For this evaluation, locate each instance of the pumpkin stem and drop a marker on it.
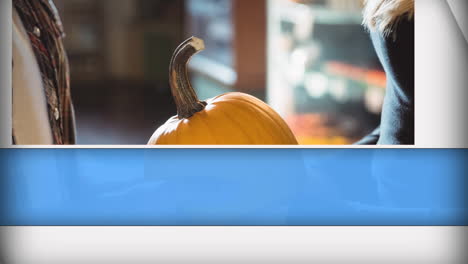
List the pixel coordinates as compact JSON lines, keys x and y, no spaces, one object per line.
{"x":185,"y":98}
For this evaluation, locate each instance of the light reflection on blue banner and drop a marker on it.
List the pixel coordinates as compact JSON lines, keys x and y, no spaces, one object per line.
{"x":233,"y":187}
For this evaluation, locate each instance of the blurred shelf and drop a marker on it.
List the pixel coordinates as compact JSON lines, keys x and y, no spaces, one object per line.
{"x":372,"y":78}
{"x":234,"y":33}
{"x":324,"y":76}
{"x":291,"y":11}
{"x":327,"y":16}
{"x":214,"y":70}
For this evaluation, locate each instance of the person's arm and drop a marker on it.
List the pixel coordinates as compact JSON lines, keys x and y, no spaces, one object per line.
{"x":396,"y":53}
{"x":391,"y":26}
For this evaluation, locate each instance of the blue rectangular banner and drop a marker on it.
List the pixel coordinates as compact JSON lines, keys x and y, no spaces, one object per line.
{"x":233,"y":187}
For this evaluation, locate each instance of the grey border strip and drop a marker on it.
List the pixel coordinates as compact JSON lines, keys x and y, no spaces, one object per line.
{"x":5,"y":72}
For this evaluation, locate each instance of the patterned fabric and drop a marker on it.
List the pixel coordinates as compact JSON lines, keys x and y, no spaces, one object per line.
{"x":44,"y":28}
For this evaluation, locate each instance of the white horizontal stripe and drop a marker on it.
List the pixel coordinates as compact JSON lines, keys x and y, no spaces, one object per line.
{"x":70,"y":245}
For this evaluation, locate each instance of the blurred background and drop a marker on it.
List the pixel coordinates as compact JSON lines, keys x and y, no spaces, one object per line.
{"x":312,"y":61}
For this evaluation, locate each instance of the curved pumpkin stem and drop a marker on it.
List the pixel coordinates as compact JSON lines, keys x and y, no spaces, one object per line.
{"x":185,"y":98}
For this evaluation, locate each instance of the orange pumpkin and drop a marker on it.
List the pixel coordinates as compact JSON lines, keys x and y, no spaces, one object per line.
{"x":228,"y":119}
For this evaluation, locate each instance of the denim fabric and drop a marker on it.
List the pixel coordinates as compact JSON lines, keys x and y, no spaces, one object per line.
{"x":396,"y":53}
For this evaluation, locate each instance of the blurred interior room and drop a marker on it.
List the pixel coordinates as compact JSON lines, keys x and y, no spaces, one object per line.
{"x":312,"y":61}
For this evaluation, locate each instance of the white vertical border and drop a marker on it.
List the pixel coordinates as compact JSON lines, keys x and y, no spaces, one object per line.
{"x":441,"y":65}
{"x":5,"y":72}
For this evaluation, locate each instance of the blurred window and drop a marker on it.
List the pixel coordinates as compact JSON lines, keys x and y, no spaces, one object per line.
{"x":324,"y":75}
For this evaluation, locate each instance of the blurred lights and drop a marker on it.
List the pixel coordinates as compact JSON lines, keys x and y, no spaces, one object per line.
{"x":371,"y":77}
{"x":316,"y":84}
{"x":373,"y":99}
{"x":338,"y":90}
{"x":299,"y":61}
{"x":315,"y":128}
{"x":304,"y":25}
{"x":297,"y":66}
{"x":334,"y":98}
